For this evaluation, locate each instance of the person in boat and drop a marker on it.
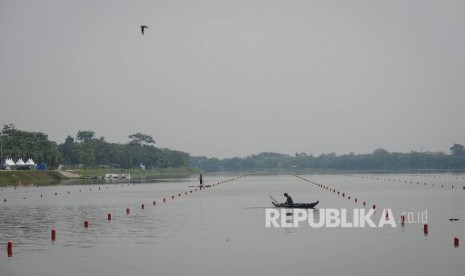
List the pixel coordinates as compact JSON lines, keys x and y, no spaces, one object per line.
{"x":289,"y":202}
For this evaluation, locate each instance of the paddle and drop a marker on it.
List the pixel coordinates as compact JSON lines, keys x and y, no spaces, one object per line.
{"x":275,"y":201}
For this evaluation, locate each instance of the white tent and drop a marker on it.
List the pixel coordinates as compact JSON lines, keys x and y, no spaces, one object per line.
{"x":30,"y":162}
{"x":20,"y":162}
{"x":9,"y":162}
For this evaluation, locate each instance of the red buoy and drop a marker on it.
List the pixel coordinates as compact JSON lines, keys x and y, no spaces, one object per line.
{"x":109,"y":216}
{"x":456,"y":242}
{"x":86,"y":224}
{"x":425,"y":229}
{"x":54,"y":235}
{"x":10,"y":249}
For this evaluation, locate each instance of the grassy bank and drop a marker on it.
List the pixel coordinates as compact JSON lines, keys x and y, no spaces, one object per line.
{"x":36,"y":177}
{"x":156,"y":173}
{"x":28,"y":177}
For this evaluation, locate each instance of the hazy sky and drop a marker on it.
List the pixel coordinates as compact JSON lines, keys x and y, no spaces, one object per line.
{"x":233,"y":78}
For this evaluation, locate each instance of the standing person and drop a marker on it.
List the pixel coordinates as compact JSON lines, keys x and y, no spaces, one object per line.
{"x":201,"y":180}
{"x":289,"y":201}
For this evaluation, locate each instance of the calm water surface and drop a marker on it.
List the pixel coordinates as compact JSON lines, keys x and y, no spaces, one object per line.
{"x":221,"y":230}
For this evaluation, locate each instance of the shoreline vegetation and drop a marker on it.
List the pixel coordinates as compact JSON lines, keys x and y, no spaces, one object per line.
{"x":87,"y":157}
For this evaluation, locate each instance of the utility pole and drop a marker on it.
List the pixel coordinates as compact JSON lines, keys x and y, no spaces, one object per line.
{"x":1,"y":147}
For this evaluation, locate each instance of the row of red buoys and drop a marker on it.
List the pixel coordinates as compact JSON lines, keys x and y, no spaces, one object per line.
{"x":394,"y":180}
{"x":332,"y":190}
{"x":425,"y":226}
{"x":109,"y":215}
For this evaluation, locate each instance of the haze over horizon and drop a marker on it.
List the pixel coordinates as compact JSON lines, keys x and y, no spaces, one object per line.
{"x":235,"y":78}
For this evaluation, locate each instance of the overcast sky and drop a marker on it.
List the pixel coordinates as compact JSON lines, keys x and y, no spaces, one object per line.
{"x":234,"y":78}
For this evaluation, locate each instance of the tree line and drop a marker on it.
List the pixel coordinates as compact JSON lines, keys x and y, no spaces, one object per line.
{"x":88,"y":151}
{"x":379,"y":159}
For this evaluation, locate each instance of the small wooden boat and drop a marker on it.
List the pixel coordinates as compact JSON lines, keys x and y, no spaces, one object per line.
{"x":297,"y":205}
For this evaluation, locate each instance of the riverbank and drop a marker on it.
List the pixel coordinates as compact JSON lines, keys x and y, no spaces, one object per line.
{"x":39,"y":177}
{"x":29,"y":177}
{"x":137,"y":174}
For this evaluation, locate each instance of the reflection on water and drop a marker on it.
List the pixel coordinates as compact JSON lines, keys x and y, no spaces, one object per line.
{"x":222,"y":229}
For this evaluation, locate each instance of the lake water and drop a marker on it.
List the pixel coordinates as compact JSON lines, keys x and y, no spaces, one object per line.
{"x":221,"y":230}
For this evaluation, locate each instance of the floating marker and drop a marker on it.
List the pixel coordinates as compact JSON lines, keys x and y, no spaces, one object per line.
{"x":10,"y":249}
{"x":86,"y":224}
{"x":456,"y":242}
{"x":54,"y":235}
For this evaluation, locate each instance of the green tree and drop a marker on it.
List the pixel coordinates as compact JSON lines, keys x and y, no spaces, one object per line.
{"x":25,"y":144}
{"x":85,"y":135}
{"x":457,"y":150}
{"x":142,"y":139}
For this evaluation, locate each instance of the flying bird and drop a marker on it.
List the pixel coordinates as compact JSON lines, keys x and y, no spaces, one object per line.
{"x":142,"y":28}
